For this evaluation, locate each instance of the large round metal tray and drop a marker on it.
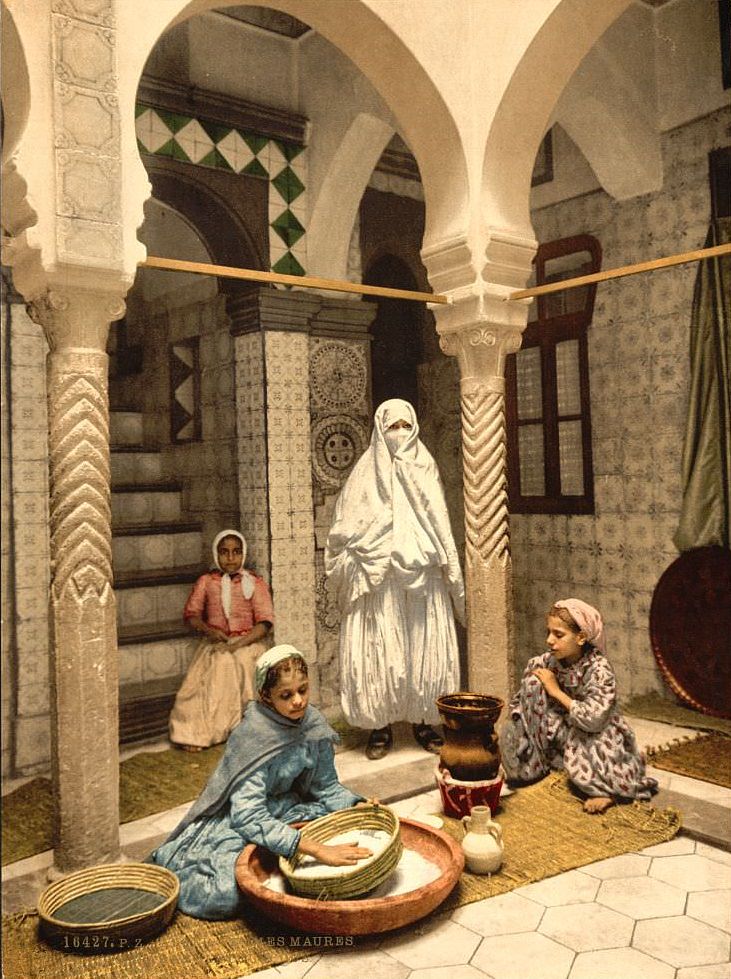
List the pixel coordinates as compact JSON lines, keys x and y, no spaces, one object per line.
{"x":360,"y":916}
{"x":690,"y":628}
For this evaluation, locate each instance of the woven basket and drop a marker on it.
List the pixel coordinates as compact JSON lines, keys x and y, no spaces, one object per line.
{"x":117,"y":932}
{"x":363,"y":876}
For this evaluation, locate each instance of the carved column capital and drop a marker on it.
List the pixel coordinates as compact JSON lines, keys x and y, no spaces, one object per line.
{"x":481,"y":350}
{"x":76,"y":318}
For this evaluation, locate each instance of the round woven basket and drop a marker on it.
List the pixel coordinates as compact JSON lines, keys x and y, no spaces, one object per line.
{"x":361,"y":877}
{"x":66,"y":907}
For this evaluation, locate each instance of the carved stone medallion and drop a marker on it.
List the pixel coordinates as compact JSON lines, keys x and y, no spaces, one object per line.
{"x":338,"y":441}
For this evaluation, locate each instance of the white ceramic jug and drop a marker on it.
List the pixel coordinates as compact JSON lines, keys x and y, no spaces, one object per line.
{"x":483,"y":841}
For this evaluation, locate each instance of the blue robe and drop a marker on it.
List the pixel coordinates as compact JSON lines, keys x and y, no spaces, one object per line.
{"x":255,"y":805}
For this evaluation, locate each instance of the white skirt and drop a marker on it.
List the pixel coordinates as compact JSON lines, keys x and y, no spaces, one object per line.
{"x":398,"y":654}
{"x":212,"y":697}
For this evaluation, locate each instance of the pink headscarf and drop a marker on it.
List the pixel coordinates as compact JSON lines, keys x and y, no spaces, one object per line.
{"x":587,"y":619}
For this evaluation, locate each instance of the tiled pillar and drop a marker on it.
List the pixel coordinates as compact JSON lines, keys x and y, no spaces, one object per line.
{"x":31,"y":556}
{"x":84,"y":718}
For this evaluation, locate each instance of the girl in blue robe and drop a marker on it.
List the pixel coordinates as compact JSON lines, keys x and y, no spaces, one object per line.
{"x":278,"y":768}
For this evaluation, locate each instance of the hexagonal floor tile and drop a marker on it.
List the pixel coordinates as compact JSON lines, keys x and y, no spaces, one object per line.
{"x":671,"y":848}
{"x":681,"y":941}
{"x":609,"y":964}
{"x":508,"y":956}
{"x":572,"y":887}
{"x":435,"y":943}
{"x":691,"y":873}
{"x":627,"y":865}
{"x":448,"y":972}
{"x":587,"y":927}
{"x":501,"y":915}
{"x":720,"y":971}
{"x":357,"y":963}
{"x":713,"y":907}
{"x":641,"y":897}
{"x":713,"y":853}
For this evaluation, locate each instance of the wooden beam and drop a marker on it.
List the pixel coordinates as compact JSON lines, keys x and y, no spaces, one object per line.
{"x":278,"y":278}
{"x":657,"y":263}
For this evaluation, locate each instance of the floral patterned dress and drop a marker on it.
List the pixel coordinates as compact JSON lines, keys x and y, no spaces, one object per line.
{"x":592,"y":742}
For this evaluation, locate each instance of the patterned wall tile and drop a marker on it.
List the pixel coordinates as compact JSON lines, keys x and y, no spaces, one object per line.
{"x":202,"y":142}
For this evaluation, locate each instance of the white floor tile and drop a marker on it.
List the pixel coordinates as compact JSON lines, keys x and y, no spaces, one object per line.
{"x":720,"y":971}
{"x":681,"y":941}
{"x":356,"y":963}
{"x":626,"y":865}
{"x":692,"y":872}
{"x":642,"y":897}
{"x":501,"y":915}
{"x":713,"y":907}
{"x":587,"y":927}
{"x":572,"y":887}
{"x":436,"y":943}
{"x":448,"y":972}
{"x":618,"y":962}
{"x":524,"y":956}
{"x":713,"y":853}
{"x":671,"y":848}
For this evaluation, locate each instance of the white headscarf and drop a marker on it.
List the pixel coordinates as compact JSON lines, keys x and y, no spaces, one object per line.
{"x":391,"y":515}
{"x":587,"y":619}
{"x":270,"y":658}
{"x":247,"y":578}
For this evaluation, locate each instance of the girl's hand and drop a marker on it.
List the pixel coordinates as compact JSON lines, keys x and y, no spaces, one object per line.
{"x":216,"y":635}
{"x":548,"y":679}
{"x":239,"y":642}
{"x":344,"y":854}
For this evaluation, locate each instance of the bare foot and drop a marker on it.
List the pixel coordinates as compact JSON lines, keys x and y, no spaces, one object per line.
{"x":191,"y":747}
{"x":597,"y":804}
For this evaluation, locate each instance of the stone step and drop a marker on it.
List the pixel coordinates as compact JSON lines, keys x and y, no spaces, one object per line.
{"x":148,"y":504}
{"x":153,"y":632}
{"x":144,"y":709}
{"x":145,"y":598}
{"x":125,"y":428}
{"x":149,"y":548}
{"x":161,"y":659}
{"x":132,"y":465}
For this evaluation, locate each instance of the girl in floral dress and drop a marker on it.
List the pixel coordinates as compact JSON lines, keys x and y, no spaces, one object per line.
{"x":565,"y":715}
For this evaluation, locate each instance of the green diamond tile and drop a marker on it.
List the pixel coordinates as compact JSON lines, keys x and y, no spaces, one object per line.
{"x":166,"y":149}
{"x":255,"y":169}
{"x":289,"y":150}
{"x":288,"y":184}
{"x":139,"y":109}
{"x":254,"y":142}
{"x":178,"y":153}
{"x":288,"y":228}
{"x":288,"y":265}
{"x":216,"y":130}
{"x":215,"y":159}
{"x":173,"y":120}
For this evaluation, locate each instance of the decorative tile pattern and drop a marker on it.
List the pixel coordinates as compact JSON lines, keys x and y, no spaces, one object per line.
{"x":202,"y":142}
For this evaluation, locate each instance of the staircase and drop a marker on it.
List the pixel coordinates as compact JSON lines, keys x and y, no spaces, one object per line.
{"x":156,"y":557}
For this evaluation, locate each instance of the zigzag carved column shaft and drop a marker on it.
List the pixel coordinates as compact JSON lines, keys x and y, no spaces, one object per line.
{"x":85,"y":709}
{"x":487,"y":545}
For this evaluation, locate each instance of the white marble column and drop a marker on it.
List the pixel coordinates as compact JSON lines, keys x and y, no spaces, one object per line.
{"x":84,"y":672}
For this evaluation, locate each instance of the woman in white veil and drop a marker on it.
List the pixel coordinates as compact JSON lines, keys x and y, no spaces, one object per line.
{"x":392,"y":561}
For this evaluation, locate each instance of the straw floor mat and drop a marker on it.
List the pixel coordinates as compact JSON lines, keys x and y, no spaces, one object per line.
{"x":707,"y":757}
{"x":545,"y":831}
{"x":149,"y":782}
{"x":653,"y":708}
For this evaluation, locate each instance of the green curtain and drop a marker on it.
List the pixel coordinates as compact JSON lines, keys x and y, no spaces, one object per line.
{"x":705,"y":516}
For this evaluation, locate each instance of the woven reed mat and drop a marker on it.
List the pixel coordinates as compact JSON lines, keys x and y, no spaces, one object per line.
{"x":149,"y":782}
{"x":545,"y":830}
{"x":653,"y":708}
{"x":707,"y":757}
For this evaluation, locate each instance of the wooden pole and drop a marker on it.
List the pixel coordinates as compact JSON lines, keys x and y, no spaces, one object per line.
{"x":278,"y":278}
{"x":657,"y":263}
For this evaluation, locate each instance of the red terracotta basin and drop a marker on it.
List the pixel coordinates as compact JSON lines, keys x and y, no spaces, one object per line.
{"x":361,"y":916}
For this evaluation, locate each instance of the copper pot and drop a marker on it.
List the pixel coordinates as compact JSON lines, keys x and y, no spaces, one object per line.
{"x":471,"y":751}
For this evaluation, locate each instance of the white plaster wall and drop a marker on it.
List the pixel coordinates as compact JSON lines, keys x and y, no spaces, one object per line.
{"x":168,"y":235}
{"x":688,"y":61}
{"x":572,"y":174}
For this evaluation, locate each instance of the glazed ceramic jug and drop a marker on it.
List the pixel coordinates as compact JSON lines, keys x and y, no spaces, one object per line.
{"x":483,"y":841}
